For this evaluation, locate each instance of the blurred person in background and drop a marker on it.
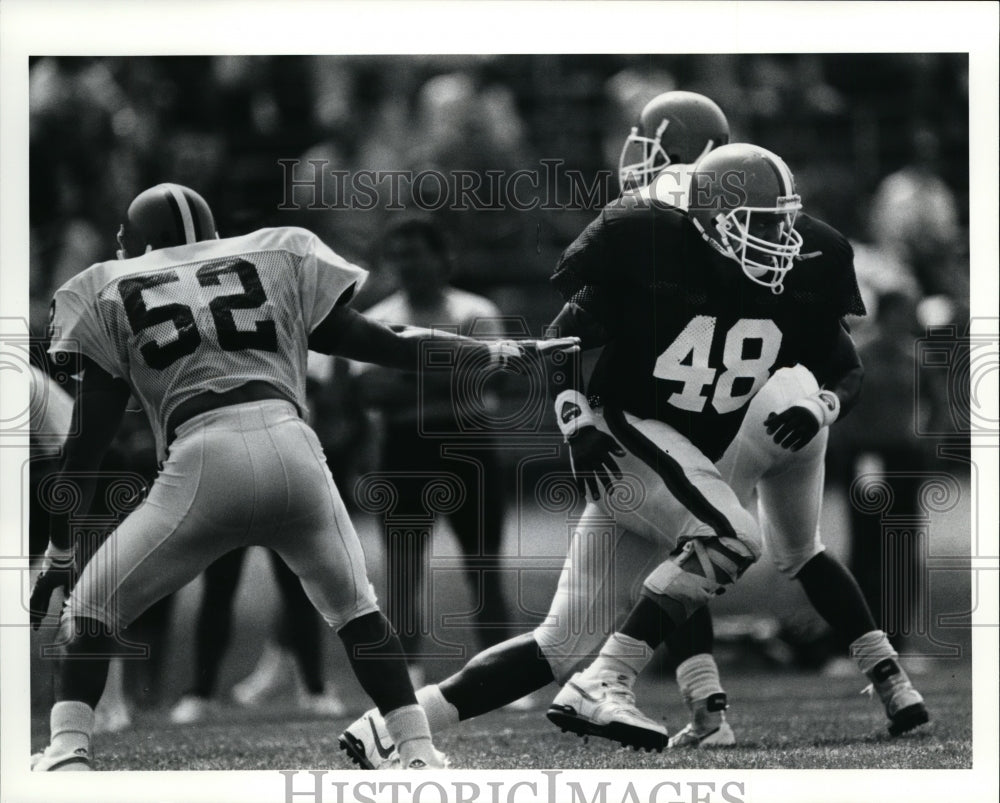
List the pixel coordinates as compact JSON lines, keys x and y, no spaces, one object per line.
{"x":880,"y":441}
{"x":415,"y":252}
{"x":290,"y":661}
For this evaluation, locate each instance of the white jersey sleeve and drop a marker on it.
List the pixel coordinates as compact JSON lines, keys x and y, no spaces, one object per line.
{"x":75,"y":326}
{"x":326,"y":280}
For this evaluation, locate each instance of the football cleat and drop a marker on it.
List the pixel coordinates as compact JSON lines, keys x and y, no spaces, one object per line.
{"x":605,"y":706}
{"x":688,"y":736}
{"x":52,"y":761}
{"x":903,"y":704}
{"x":708,"y":726}
{"x":368,"y":744}
{"x":438,"y":761}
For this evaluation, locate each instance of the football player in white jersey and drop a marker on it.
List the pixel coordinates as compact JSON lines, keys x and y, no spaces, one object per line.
{"x":211,"y":336}
{"x":675,"y":127}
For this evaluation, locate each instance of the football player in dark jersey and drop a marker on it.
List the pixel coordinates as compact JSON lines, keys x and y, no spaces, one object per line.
{"x":674,"y":128}
{"x":689,"y":340}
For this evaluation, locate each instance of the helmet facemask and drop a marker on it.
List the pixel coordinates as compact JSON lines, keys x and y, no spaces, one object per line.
{"x":635,"y":174}
{"x":650,"y":159}
{"x":763,"y":240}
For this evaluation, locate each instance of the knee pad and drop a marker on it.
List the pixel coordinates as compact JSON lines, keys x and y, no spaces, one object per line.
{"x":699,"y":570}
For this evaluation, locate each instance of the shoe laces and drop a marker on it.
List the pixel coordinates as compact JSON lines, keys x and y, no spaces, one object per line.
{"x":616,"y":686}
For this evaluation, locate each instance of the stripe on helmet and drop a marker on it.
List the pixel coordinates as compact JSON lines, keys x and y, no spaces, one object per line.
{"x":182,"y":209}
{"x":784,"y":174}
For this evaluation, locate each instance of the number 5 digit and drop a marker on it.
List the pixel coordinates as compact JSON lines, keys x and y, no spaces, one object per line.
{"x":140,"y":317}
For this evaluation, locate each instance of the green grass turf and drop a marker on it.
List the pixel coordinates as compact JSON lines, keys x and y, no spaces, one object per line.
{"x":782,"y":720}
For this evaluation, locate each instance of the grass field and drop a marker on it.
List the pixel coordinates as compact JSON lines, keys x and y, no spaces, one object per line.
{"x":782,"y":720}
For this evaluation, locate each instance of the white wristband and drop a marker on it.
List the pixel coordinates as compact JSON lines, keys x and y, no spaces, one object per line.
{"x":823,"y":404}
{"x":572,"y":412}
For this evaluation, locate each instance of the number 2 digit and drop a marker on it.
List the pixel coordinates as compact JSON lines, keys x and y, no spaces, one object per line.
{"x":263,"y":336}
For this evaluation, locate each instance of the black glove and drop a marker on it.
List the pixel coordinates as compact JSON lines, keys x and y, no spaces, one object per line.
{"x":793,"y":428}
{"x":59,"y":571}
{"x":590,"y":452}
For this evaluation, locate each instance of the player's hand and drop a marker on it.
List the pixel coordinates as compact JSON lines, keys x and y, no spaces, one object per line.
{"x":513,"y":355}
{"x":592,"y":457}
{"x":793,"y":428}
{"x":58,"y":572}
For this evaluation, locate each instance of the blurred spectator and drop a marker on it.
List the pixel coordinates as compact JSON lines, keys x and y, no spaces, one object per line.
{"x":295,"y":654}
{"x":881,"y":442}
{"x":415,"y":253}
{"x":915,"y":220}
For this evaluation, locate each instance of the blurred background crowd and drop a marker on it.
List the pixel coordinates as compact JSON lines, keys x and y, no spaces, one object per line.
{"x":878,"y":144}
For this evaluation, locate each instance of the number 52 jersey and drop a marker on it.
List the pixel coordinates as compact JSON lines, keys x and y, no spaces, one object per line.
{"x":690,"y":339}
{"x":205,"y":317}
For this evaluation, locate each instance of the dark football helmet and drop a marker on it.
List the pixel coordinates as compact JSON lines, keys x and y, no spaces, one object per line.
{"x":164,"y":216}
{"x":743,"y":201}
{"x":674,"y":128}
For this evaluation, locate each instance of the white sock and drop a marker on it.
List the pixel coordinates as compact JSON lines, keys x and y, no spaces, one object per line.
{"x":622,"y":654}
{"x":410,"y":733}
{"x":871,"y":649}
{"x":698,"y":677}
{"x":441,"y":714}
{"x":71,"y":723}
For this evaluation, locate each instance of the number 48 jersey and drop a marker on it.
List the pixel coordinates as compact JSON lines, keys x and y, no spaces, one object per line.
{"x":690,"y":339}
{"x":209,"y":316}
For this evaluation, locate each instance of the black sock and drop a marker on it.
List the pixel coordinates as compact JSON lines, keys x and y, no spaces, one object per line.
{"x":82,"y":670}
{"x":376,"y":658}
{"x":693,"y":637}
{"x":836,"y":596}
{"x":495,"y":677}
{"x":648,"y":622}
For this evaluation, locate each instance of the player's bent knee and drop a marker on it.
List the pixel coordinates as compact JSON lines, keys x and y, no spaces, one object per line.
{"x":791,"y":565}
{"x":90,"y":617}
{"x":699,"y":570}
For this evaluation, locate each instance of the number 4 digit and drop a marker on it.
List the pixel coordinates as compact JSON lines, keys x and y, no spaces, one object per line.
{"x":686,"y":360}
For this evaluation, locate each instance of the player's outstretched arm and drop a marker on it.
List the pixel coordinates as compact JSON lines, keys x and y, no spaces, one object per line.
{"x":98,"y":409}
{"x":347,"y":333}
